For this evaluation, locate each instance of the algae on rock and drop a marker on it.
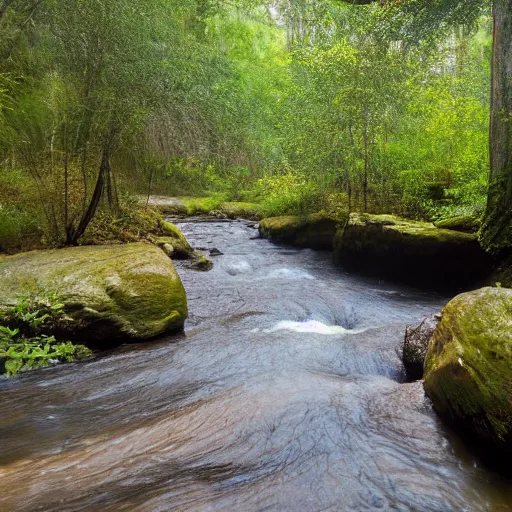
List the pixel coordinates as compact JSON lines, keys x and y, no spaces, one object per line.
{"x":110,"y":293}
{"x":468,"y":368}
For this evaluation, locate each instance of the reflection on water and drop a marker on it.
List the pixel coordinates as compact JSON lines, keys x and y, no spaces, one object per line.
{"x":285,"y":393}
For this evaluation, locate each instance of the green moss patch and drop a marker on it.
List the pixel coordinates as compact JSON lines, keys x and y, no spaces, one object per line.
{"x":464,"y":223}
{"x":212,"y":206}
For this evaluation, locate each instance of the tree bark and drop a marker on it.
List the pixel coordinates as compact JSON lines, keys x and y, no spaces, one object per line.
{"x":496,"y":234}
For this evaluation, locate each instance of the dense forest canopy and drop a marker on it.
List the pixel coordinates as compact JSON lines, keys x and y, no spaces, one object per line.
{"x":298,"y":105}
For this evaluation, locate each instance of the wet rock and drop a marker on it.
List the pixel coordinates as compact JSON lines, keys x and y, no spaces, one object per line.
{"x":215,"y":252}
{"x":114,"y":292}
{"x":416,"y":343}
{"x":468,"y":368}
{"x":176,"y":246}
{"x":201,"y":263}
{"x":410,"y":251}
{"x":314,"y":231}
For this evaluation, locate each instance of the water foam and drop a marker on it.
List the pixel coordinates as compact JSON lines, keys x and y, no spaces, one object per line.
{"x":310,"y":326}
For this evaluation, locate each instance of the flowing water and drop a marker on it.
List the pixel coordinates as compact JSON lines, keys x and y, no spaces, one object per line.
{"x":286,"y":393}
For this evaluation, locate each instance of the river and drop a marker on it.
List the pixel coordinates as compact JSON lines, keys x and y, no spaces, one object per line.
{"x":285,"y":393}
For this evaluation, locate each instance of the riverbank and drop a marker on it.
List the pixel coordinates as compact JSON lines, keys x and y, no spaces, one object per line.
{"x":202,"y":206}
{"x":389,"y":247}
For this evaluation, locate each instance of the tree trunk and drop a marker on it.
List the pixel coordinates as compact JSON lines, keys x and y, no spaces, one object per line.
{"x":365,"y":175}
{"x":104,"y":175}
{"x":496,"y":234}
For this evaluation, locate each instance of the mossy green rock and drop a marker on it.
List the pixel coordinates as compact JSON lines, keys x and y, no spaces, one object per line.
{"x":410,"y":251}
{"x":468,"y":368}
{"x":115,"y":292}
{"x":315,"y":231}
{"x":173,"y":236}
{"x":464,"y":223}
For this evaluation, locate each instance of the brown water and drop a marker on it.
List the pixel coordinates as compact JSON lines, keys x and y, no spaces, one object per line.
{"x":285,"y":393}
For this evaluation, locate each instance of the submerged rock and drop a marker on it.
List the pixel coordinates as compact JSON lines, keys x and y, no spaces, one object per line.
{"x":463,"y":223}
{"x":201,"y":262}
{"x":416,"y":343}
{"x":410,"y":251}
{"x":315,"y":231}
{"x":110,"y":293}
{"x":468,"y":368}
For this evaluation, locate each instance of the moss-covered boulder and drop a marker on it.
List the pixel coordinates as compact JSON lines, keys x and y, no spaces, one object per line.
{"x":315,"y":231}
{"x":468,"y":368}
{"x":410,"y":251}
{"x":502,"y":274}
{"x":175,"y":246}
{"x":110,"y":293}
{"x":464,"y":223}
{"x":175,"y":238}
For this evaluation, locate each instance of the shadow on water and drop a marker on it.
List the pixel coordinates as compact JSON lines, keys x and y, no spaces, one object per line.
{"x":286,"y":393}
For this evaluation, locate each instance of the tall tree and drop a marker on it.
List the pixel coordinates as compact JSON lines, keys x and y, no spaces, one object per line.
{"x":497,"y":228}
{"x":496,"y":233}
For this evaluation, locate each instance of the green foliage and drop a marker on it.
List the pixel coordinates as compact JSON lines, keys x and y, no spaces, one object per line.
{"x":24,"y":347}
{"x":288,"y":194}
{"x":290,"y":104}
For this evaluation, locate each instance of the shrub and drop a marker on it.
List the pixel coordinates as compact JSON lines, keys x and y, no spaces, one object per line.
{"x":23,"y":346}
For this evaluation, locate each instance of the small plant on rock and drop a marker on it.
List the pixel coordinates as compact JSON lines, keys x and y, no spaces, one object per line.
{"x":23,"y":346}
